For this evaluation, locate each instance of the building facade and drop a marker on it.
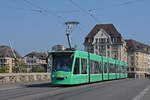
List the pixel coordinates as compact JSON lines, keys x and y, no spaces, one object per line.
{"x":137,"y":59}
{"x":148,"y":71}
{"x":35,"y":59}
{"x":105,"y":40}
{"x":7,"y":58}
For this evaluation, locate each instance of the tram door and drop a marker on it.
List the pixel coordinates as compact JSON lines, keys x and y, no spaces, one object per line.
{"x":84,"y":72}
{"x":80,"y":70}
{"x":77,"y":71}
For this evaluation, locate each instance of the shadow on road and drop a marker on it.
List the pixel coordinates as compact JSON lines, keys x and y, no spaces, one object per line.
{"x":48,"y":84}
{"x":44,"y":85}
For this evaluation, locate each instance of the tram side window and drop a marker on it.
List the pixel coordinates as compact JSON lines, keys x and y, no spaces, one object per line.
{"x":124,"y":69}
{"x":117,"y":68}
{"x":121,"y":69}
{"x":114,"y":69}
{"x":105,"y":67}
{"x":94,"y":67}
{"x":84,"y":66}
{"x":100,"y":67}
{"x":111,"y":68}
{"x":76,"y":67}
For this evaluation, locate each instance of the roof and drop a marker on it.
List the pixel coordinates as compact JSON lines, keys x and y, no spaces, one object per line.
{"x":37,"y":54}
{"x":133,"y":45}
{"x":109,"y":28}
{"x":5,"y":51}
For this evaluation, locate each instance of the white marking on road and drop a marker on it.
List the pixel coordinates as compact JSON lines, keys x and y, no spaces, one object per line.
{"x":8,"y":88}
{"x":141,"y":94}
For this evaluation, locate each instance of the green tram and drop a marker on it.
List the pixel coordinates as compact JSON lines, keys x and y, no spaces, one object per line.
{"x":72,"y":67}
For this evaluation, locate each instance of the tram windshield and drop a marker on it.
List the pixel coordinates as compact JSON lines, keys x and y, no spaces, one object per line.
{"x":62,"y":62}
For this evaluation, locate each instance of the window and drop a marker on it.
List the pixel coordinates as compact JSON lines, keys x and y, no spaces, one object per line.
{"x":107,"y":40}
{"x":137,"y":58}
{"x":137,"y":63}
{"x":122,"y":69}
{"x":61,"y":61}
{"x":132,"y":58}
{"x":100,"y":67}
{"x":102,"y":47}
{"x":96,"y":52}
{"x":84,"y":66}
{"x":117,"y":68}
{"x":105,"y":67}
{"x":96,"y":40}
{"x":89,"y":40}
{"x":108,"y":47}
{"x":111,"y":68}
{"x":76,"y":67}
{"x":114,"y":69}
{"x":128,"y":69}
{"x":94,"y":67}
{"x":96,"y":47}
{"x":116,"y":39}
{"x":91,"y":67}
{"x":108,"y":53}
{"x":132,"y":68}
{"x":103,"y":40}
{"x":99,"y":40}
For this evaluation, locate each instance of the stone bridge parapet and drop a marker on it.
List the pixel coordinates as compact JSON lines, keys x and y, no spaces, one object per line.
{"x":23,"y":77}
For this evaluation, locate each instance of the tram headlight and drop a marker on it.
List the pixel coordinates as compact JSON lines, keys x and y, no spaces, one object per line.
{"x":68,"y":76}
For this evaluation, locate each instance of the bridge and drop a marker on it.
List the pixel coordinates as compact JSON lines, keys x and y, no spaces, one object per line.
{"x":23,"y":77}
{"x":125,"y":89}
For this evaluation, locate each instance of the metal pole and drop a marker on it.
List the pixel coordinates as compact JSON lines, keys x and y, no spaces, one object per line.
{"x":69,"y":30}
{"x":68,"y":34}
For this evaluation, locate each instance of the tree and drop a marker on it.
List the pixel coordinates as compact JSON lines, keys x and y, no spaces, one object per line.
{"x":37,"y":69}
{"x":20,"y":67}
{"x":4,"y":69}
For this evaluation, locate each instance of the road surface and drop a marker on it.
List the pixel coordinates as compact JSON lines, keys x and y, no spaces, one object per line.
{"x":126,"y":89}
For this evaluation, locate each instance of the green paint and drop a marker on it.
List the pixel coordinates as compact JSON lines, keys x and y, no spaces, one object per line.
{"x":68,"y":78}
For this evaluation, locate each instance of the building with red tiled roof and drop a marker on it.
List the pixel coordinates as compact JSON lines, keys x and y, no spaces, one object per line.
{"x":138,"y":59}
{"x":105,"y":40}
{"x":36,"y":59}
{"x":7,"y":58}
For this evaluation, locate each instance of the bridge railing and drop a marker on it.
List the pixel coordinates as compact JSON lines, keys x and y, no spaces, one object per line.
{"x":23,"y":77}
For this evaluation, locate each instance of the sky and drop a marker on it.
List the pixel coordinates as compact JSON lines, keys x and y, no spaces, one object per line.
{"x":37,"y":25}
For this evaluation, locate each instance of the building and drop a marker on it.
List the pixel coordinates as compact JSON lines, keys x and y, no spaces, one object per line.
{"x":149,"y":65}
{"x":35,"y":59}
{"x":7,"y":58}
{"x":138,"y":55}
{"x":105,"y":40}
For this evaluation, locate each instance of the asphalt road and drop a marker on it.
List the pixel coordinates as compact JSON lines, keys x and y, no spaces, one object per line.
{"x":126,"y":89}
